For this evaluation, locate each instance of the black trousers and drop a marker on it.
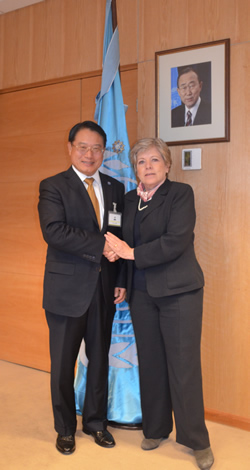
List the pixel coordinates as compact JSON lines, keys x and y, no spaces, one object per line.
{"x":168,"y":334}
{"x":66,"y":334}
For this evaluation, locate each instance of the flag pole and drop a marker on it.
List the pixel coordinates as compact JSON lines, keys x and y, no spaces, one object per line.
{"x":114,"y":14}
{"x":123,"y":361}
{"x":114,"y":22}
{"x":113,"y":423}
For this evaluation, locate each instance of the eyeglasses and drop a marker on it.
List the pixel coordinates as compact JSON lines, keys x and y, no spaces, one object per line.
{"x":191,"y":86}
{"x":83,"y":149}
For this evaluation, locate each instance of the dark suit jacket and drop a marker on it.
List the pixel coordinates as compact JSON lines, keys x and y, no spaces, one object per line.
{"x":167,"y":240}
{"x":203,"y":115}
{"x":75,"y":243}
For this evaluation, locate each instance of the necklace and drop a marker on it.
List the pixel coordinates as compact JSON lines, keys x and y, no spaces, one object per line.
{"x":139,"y":206}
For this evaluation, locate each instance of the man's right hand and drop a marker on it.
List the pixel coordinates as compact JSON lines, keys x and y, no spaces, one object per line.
{"x":109,"y":253}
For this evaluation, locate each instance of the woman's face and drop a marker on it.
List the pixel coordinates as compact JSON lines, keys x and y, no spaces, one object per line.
{"x":151,"y":168}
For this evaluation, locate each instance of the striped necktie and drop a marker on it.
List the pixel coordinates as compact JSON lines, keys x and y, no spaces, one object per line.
{"x":189,"y":119}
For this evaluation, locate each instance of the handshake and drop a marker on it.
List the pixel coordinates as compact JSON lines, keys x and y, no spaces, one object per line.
{"x":109,"y":253}
{"x":115,"y":248}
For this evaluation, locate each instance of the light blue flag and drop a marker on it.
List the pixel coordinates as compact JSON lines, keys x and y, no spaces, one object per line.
{"x":110,"y":109}
{"x":124,"y":404}
{"x":175,"y":99}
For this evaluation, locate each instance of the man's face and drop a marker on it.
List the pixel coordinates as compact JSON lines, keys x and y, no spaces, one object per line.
{"x":189,"y":88}
{"x":86,"y":152}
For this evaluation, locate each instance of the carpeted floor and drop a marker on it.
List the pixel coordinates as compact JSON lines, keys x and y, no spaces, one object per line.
{"x":28,"y":437}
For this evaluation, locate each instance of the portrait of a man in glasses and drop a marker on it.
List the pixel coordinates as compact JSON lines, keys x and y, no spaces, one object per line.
{"x":194,"y":109}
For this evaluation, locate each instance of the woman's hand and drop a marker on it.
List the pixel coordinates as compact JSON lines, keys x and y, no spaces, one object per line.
{"x":120,"y":294}
{"x":121,"y":248}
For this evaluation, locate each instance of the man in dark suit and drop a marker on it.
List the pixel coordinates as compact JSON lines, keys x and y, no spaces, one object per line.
{"x":193,"y":111}
{"x":81,"y":287}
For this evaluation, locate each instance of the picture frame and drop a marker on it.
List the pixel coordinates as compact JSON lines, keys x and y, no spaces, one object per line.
{"x":194,"y":78}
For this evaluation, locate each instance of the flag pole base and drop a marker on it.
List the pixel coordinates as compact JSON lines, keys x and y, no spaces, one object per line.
{"x":132,"y":427}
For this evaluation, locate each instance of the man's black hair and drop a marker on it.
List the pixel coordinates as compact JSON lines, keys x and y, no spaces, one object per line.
{"x":186,"y":69}
{"x":91,"y":125}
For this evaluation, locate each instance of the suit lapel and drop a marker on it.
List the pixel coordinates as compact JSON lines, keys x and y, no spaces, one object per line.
{"x":107,"y":189}
{"x":78,"y":186}
{"x":158,"y":199}
{"x":131,"y":207}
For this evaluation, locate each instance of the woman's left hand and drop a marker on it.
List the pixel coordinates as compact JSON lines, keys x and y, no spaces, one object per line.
{"x":120,"y":294}
{"x":121,"y":248}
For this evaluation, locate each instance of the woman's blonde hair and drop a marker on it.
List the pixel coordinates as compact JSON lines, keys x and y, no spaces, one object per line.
{"x":144,"y":144}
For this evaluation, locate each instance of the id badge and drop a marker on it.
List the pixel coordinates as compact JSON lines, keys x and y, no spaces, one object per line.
{"x":114,"y":217}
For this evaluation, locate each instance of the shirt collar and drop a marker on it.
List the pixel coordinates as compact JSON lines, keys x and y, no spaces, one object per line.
{"x":194,"y":108}
{"x":82,"y":177}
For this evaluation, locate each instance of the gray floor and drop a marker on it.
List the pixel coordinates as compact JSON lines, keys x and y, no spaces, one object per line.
{"x":28,"y":438}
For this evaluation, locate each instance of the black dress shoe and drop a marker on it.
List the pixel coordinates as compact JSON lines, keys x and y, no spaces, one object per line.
{"x":102,"y":438}
{"x":65,"y":444}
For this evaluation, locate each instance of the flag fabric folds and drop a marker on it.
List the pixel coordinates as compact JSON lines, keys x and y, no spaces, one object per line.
{"x":110,"y":109}
{"x":124,"y":396}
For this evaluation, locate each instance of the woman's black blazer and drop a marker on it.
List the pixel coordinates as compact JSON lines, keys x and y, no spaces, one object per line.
{"x":167,"y":251}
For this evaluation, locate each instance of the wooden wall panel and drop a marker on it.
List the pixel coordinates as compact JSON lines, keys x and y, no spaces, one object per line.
{"x":185,"y":22}
{"x":34,"y":156}
{"x":59,"y":38}
{"x":81,"y":41}
{"x":54,"y":39}
{"x":34,"y":126}
{"x":146,"y":99}
{"x":127,"y":18}
{"x":39,"y":110}
{"x":90,"y":88}
{"x":226,"y":253}
{"x":22,"y":246}
{"x":130,"y":97}
{"x":23,"y":328}
{"x":166,"y":31}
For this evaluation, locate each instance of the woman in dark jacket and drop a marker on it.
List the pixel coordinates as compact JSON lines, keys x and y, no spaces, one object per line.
{"x":165,"y":293}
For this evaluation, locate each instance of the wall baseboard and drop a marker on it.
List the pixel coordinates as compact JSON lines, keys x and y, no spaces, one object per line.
{"x":228,"y":419}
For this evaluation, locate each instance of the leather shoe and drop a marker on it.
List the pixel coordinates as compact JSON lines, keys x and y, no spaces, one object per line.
{"x":150,"y":444}
{"x":204,"y":458}
{"x":102,"y":438}
{"x":65,"y":444}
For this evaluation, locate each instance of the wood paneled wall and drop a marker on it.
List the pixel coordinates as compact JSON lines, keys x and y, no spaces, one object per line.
{"x":33,"y":136}
{"x":60,"y":38}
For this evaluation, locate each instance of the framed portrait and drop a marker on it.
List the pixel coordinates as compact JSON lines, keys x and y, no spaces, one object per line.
{"x":192,"y":93}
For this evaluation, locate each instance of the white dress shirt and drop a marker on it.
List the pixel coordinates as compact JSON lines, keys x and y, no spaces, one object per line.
{"x":97,"y":188}
{"x":193,"y":110}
